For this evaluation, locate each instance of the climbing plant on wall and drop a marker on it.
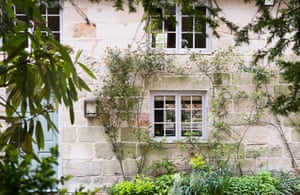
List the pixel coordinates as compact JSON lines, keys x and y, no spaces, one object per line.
{"x":122,"y":96}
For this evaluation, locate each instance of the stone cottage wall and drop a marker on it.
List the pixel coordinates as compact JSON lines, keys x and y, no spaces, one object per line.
{"x":85,"y":149}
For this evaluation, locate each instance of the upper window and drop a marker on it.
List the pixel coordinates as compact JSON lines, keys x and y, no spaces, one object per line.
{"x":51,"y":16}
{"x":176,"y":115}
{"x":179,"y":29}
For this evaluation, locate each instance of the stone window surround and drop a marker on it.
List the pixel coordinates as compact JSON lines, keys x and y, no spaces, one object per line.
{"x":178,"y":49}
{"x":178,"y":94}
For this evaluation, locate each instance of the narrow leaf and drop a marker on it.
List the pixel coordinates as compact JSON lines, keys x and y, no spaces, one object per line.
{"x":39,"y":135}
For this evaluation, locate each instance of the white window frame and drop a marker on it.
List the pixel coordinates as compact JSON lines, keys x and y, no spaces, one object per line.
{"x":178,"y":94}
{"x":178,"y":39}
{"x":46,"y":15}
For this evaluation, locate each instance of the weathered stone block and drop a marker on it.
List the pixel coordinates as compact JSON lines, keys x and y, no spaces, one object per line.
{"x":111,"y":168}
{"x":92,"y":134}
{"x":83,"y":168}
{"x":274,"y":151}
{"x":104,"y":151}
{"x":243,"y":105}
{"x":241,"y":78}
{"x":295,"y":147}
{"x":128,"y":135}
{"x":106,"y":180}
{"x":256,"y":135}
{"x":130,"y":167}
{"x":222,"y":79}
{"x":167,"y":151}
{"x":68,"y":134}
{"x":295,"y":135}
{"x":128,"y":150}
{"x":283,"y":164}
{"x":248,"y":166}
{"x":255,"y":151}
{"x":76,"y":151}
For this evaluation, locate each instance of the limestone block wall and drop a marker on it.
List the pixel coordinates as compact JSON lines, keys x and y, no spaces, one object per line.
{"x":85,"y":149}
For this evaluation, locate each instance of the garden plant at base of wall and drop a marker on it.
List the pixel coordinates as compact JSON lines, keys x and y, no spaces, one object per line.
{"x":204,"y":180}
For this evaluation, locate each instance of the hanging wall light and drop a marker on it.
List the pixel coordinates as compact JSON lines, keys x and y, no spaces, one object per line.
{"x":269,"y":2}
{"x":91,"y":107}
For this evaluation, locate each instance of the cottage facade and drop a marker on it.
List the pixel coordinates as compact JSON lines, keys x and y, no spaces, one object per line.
{"x":86,"y":151}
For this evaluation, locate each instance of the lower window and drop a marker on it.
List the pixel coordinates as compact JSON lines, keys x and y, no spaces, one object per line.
{"x":176,"y":115}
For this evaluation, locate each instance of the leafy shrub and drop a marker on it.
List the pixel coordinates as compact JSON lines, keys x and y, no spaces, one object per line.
{"x":287,"y":183}
{"x":162,"y":167}
{"x":123,"y":188}
{"x":144,"y":185}
{"x":163,"y":184}
{"x":261,"y":183}
{"x":198,"y":162}
{"x":141,"y":185}
{"x":214,"y":182}
{"x":18,"y":176}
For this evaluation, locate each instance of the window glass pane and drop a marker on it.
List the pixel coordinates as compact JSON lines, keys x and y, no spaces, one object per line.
{"x":196,"y":126}
{"x":196,"y":133}
{"x":158,"y":116}
{"x":186,"y":101}
{"x":170,"y":101}
{"x":170,"y":129}
{"x":170,"y":116}
{"x":187,"y":40}
{"x":187,"y":24}
{"x":171,"y":42}
{"x":56,"y":36}
{"x":200,"y":41}
{"x":170,"y":132}
{"x":185,"y":129}
{"x":200,"y":10}
{"x":156,"y":24}
{"x":185,"y":116}
{"x":170,"y":10}
{"x":54,"y":10}
{"x":53,"y":23}
{"x":196,"y":116}
{"x":158,"y":101}
{"x":22,"y":18}
{"x":187,"y":9}
{"x":170,"y":24}
{"x":197,"y":102}
{"x":158,"y":130}
{"x":200,"y":25}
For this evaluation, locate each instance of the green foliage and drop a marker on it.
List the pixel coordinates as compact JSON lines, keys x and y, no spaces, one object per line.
{"x":18,"y":176}
{"x":287,"y":183}
{"x":123,"y":188}
{"x":261,"y":183}
{"x":288,"y":102}
{"x":83,"y":191}
{"x":202,"y":182}
{"x":163,"y":184}
{"x":198,"y":162}
{"x":122,"y":95}
{"x":162,"y":167}
{"x":211,"y":182}
{"x":141,"y":185}
{"x":283,"y":36}
{"x":35,"y":78}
